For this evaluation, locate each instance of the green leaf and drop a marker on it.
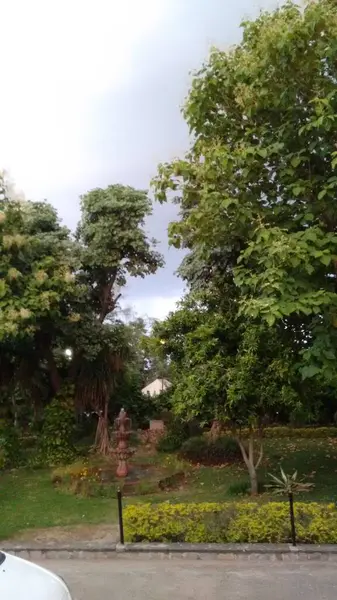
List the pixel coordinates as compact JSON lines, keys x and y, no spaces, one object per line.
{"x":310,"y":371}
{"x":297,"y":190}
{"x":326,"y":259}
{"x":321,"y":194}
{"x":295,"y":161}
{"x":270,"y":319}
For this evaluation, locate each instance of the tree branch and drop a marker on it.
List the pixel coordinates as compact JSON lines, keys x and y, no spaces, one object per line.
{"x":260,"y":457}
{"x":108,"y":303}
{"x":243,"y":451}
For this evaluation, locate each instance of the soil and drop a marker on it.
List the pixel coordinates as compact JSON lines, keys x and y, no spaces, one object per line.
{"x":69,"y":535}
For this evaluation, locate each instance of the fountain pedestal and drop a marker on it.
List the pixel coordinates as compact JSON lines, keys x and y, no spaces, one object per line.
{"x":122,"y":450}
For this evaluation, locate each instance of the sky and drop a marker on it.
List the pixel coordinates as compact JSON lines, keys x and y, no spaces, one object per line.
{"x":91,"y":96}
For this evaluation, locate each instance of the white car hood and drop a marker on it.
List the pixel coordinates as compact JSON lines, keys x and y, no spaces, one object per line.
{"x":23,"y":580}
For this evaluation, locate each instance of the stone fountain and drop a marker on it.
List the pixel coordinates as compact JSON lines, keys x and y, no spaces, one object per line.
{"x":122,"y":450}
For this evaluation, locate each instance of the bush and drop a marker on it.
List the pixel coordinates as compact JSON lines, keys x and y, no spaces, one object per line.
{"x":170,"y":442}
{"x":239,"y":488}
{"x":10,"y":447}
{"x":297,"y":432}
{"x":300,"y":432}
{"x":83,"y":479}
{"x":56,"y":442}
{"x":205,"y":451}
{"x":242,"y":488}
{"x":230,"y":522}
{"x":177,"y":433}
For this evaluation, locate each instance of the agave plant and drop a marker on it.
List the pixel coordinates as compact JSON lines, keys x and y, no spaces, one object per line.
{"x":290,"y":485}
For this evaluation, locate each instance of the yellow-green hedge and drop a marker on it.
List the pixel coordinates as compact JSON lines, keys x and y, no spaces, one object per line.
{"x":300,"y":432}
{"x":230,"y":522}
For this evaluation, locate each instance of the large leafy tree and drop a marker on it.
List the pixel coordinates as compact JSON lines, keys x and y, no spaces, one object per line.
{"x":260,"y":180}
{"x":228,"y":369}
{"x":256,"y":198}
{"x":59,"y":292}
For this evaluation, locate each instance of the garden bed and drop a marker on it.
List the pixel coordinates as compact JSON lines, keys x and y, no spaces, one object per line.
{"x":245,"y":522}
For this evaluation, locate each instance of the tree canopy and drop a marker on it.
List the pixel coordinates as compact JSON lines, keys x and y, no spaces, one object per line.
{"x":256,"y":203}
{"x":58,"y":291}
{"x":258,"y":185}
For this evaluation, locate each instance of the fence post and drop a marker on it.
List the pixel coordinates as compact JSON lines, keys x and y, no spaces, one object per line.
{"x":120,"y":516}
{"x":292,"y":518}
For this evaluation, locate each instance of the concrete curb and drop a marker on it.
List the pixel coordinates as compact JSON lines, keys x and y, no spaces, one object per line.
{"x":273,"y":552}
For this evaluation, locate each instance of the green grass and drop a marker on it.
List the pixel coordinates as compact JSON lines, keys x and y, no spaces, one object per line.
{"x":29,"y":500}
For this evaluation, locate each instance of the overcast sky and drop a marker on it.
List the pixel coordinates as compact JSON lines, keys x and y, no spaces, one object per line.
{"x":91,"y":92}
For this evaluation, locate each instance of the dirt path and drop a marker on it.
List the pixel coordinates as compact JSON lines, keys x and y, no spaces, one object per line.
{"x":54,"y":536}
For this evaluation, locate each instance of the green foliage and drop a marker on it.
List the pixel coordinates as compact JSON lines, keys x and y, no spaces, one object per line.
{"x":230,"y":522}
{"x":177,"y":432}
{"x":10,"y":446}
{"x":302,"y":432}
{"x":256,"y":198}
{"x":83,"y":479}
{"x":170,"y":442}
{"x":37,"y":263}
{"x":200,"y":450}
{"x":288,"y":484}
{"x":57,"y":291}
{"x":114,"y":241}
{"x":56,"y":440}
{"x":239,"y":488}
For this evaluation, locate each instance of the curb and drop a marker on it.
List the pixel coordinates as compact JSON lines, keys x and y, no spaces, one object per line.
{"x":271,"y":552}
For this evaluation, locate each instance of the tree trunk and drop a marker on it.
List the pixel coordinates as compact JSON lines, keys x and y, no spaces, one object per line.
{"x":253,"y":480}
{"x":250,"y":462}
{"x":54,"y":375}
{"x":102,"y":438}
{"x":15,"y":410}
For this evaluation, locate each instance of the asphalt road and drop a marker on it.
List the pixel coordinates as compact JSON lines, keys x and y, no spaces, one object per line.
{"x":126,"y":579}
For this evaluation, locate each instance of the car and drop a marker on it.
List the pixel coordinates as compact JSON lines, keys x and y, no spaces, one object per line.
{"x":24,"y":580}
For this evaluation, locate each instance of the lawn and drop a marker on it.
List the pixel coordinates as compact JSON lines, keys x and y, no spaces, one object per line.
{"x":29,"y":500}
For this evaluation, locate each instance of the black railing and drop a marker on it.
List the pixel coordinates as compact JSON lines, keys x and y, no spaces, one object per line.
{"x":120,"y":516}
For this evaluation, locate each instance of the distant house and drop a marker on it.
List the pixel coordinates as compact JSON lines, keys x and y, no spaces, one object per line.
{"x":156,"y":387}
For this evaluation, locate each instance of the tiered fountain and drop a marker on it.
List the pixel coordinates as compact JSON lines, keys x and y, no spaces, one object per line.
{"x":122,"y":451}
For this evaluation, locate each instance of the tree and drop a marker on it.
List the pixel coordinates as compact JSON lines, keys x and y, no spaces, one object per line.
{"x":260,"y":179}
{"x":58,"y":292}
{"x":229,"y":370}
{"x":255,"y":195}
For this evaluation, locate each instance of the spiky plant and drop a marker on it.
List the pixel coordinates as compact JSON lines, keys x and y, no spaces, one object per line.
{"x":288,"y":484}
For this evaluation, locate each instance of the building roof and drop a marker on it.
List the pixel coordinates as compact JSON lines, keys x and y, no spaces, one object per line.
{"x":156,"y":387}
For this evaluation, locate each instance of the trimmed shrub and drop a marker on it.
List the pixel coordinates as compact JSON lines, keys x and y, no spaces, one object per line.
{"x":300,"y":432}
{"x":230,"y":522}
{"x":10,"y":446}
{"x":205,"y":451}
{"x":296,"y":432}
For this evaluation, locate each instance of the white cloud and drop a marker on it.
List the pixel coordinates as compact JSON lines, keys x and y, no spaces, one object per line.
{"x":57,"y":57}
{"x":154,"y":307}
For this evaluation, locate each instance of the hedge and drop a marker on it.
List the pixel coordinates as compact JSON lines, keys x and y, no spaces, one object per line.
{"x":230,"y":522}
{"x":294,"y":432}
{"x":300,"y":432}
{"x":207,"y":451}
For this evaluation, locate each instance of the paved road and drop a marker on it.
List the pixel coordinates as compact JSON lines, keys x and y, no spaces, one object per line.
{"x":138,"y":579}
